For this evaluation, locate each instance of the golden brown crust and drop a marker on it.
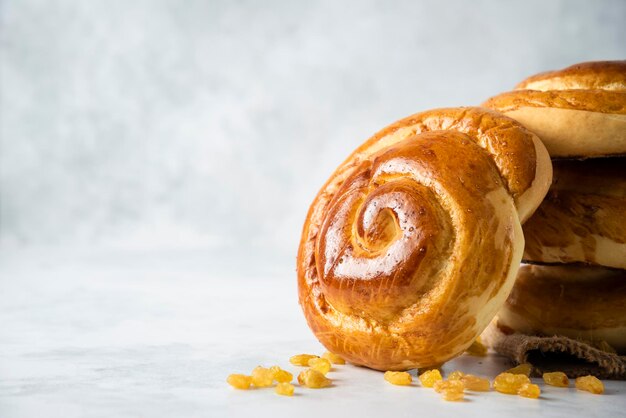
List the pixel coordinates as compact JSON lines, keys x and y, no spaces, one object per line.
{"x":411,"y":246}
{"x":582,"y":218}
{"x":587,"y":303}
{"x":592,"y":75}
{"x":579,"y":111}
{"x":518,"y":173}
{"x":587,"y":100}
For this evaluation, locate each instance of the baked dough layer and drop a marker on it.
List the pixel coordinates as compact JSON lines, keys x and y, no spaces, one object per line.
{"x":585,"y":303}
{"x":583,"y":217}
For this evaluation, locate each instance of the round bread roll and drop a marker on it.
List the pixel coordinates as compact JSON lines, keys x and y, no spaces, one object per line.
{"x":412,"y":246}
{"x":583,"y":303}
{"x":583,"y":217}
{"x":579,"y":111}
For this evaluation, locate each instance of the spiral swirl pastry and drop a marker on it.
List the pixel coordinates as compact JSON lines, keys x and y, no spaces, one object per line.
{"x":413,"y":244}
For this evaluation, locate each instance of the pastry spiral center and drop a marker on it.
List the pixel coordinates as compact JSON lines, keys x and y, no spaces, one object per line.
{"x":382,"y":242}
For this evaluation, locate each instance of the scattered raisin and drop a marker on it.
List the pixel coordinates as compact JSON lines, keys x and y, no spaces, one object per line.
{"x":456,"y":375}
{"x":301,"y":359}
{"x":451,"y":390}
{"x":476,"y":383}
{"x":313,"y":379}
{"x":429,"y":377}
{"x":524,"y":368}
{"x":452,"y":395}
{"x":239,"y":381}
{"x":262,"y":377}
{"x":453,"y":385}
{"x":280,"y":375}
{"x":556,"y":379}
{"x":320,"y":364}
{"x":285,"y":389}
{"x":590,"y":384}
{"x":398,"y":378}
{"x":509,"y":383}
{"x":529,"y":390}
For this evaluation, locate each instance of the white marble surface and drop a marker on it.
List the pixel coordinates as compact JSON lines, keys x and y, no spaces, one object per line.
{"x":131,"y":334}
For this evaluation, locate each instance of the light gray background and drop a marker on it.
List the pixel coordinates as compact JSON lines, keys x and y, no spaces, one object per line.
{"x":142,"y":124}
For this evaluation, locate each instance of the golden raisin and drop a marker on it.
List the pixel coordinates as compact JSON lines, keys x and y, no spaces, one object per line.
{"x":313,"y":379}
{"x":529,"y":390}
{"x":262,"y":377}
{"x":429,"y":377}
{"x":451,"y":390}
{"x":590,"y":384}
{"x":556,"y":379}
{"x":239,"y":381}
{"x":333,"y":358}
{"x":456,"y":375}
{"x":523,"y":368}
{"x":320,"y":364}
{"x":452,"y":395}
{"x":452,"y":385}
{"x":509,"y":383}
{"x":285,"y":389}
{"x":477,"y":348}
{"x":301,"y":359}
{"x":398,"y":378}
{"x":280,"y":375}
{"x":476,"y":383}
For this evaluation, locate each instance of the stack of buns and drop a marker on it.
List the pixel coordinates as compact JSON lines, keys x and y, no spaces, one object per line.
{"x":573,"y":280}
{"x":413,"y":246}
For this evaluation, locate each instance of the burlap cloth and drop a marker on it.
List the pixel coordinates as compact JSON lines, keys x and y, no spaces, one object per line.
{"x":557,"y":353}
